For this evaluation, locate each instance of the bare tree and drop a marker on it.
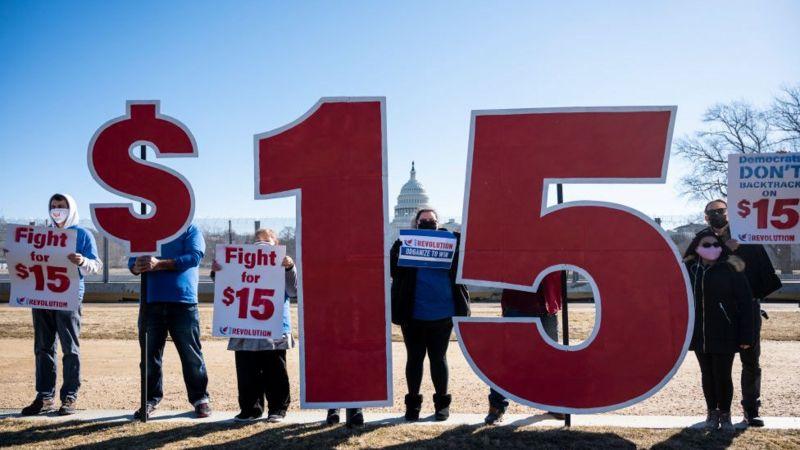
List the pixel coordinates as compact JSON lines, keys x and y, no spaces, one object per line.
{"x":785,"y":117}
{"x":737,"y":127}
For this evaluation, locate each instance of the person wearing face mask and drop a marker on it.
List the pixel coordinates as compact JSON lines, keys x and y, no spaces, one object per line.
{"x":66,"y":325}
{"x":424,"y":302}
{"x":723,"y":320}
{"x":763,"y":281}
{"x":261,"y":363}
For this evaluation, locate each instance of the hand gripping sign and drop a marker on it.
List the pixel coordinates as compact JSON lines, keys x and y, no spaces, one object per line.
{"x":114,"y":167}
{"x":249,"y":291}
{"x":333,"y":161}
{"x":41,"y":275}
{"x":764,"y":197}
{"x":644,"y":306}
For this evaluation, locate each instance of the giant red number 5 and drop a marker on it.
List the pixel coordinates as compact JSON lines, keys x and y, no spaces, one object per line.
{"x":333,"y":160}
{"x":512,"y":240}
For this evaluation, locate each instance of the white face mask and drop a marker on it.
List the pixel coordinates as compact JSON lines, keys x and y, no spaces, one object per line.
{"x":264,"y":243}
{"x":59,"y":215}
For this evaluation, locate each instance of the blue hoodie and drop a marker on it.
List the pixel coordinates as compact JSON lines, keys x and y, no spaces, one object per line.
{"x":179,"y":285}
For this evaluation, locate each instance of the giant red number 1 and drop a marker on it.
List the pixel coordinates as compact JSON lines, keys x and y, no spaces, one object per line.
{"x":512,"y":240}
{"x":333,"y":160}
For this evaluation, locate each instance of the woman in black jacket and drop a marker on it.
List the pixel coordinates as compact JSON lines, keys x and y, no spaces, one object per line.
{"x":723,"y":321}
{"x":424,"y":302}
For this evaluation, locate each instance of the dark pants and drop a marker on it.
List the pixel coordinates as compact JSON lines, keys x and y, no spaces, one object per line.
{"x":751,"y":369}
{"x":66,"y":325}
{"x":182,"y":322}
{"x":431,"y":337}
{"x":550,"y":323}
{"x":262,"y":374}
{"x":717,"y":382}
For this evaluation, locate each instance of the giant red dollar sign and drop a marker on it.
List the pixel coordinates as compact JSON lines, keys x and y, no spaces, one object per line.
{"x":333,"y":160}
{"x":114,"y":167}
{"x":644,"y":304}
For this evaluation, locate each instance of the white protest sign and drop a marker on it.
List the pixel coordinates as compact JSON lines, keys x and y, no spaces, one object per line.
{"x":431,"y":249}
{"x":249,"y":291}
{"x":41,"y":275}
{"x":764,"y":198}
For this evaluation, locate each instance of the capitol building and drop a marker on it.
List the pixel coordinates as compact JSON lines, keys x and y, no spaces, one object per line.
{"x":411,"y":199}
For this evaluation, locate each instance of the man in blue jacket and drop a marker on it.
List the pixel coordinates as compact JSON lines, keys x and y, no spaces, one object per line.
{"x":47,"y":324}
{"x":172,"y":308}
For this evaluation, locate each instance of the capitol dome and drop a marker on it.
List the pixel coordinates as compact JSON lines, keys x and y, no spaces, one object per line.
{"x":412,"y":198}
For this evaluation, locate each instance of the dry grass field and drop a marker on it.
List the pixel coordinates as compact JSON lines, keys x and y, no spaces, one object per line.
{"x":110,"y":380}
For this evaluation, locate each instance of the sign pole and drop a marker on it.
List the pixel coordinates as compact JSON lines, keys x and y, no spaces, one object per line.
{"x":143,"y":316}
{"x":565,"y":302}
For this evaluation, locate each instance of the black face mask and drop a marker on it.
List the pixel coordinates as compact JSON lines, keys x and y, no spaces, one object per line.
{"x":717,"y":221}
{"x":427,"y":225}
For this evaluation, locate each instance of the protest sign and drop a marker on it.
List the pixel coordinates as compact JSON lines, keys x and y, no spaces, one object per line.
{"x":41,"y":275}
{"x":764,"y":198}
{"x":249,"y":291}
{"x":431,"y":249}
{"x":168,"y":194}
{"x":332,"y":160}
{"x":641,"y":289}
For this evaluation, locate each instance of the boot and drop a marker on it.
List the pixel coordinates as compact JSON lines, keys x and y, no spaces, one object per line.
{"x":413,"y":407}
{"x":725,"y":424}
{"x":752,"y":419}
{"x":442,"y":405}
{"x":712,"y":420}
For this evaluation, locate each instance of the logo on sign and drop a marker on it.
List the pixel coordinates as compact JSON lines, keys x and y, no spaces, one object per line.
{"x":223,"y":331}
{"x":21,"y":300}
{"x":743,"y":237}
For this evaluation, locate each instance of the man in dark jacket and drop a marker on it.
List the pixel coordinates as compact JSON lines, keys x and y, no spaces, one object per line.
{"x":763,"y":281}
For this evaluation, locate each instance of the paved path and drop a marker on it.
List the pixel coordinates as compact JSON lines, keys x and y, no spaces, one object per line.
{"x":516,"y":420}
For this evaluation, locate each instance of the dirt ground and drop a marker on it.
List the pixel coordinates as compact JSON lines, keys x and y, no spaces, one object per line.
{"x":110,"y":376}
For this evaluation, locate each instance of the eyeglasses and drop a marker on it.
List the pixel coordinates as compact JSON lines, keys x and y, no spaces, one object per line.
{"x":717,"y":212}
{"x":710,"y":244}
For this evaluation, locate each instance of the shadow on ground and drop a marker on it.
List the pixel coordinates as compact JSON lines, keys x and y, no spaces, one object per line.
{"x":232,"y":435}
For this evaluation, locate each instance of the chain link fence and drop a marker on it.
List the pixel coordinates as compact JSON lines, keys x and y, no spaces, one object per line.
{"x":681,"y":230}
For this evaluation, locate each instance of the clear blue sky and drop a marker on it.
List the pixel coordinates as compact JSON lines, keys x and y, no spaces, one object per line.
{"x":229,"y":70}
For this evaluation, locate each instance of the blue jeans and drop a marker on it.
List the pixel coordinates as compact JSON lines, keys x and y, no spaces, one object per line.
{"x":550,"y":324}
{"x":182,"y":322}
{"x":47,"y":324}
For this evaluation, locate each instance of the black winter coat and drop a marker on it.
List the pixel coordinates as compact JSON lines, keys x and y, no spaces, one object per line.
{"x":404,"y":285}
{"x":758,"y":268}
{"x":723,"y":306}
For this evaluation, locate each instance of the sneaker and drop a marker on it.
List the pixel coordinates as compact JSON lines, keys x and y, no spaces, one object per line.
{"x":354,"y":418}
{"x":277,"y":416}
{"x":725,"y":424}
{"x":752,"y":420}
{"x":495,"y":416}
{"x":202,"y":410}
{"x":39,"y":405}
{"x":138,"y":415}
{"x":333,"y":417}
{"x":557,"y":415}
{"x":247,"y":416}
{"x":67,"y":406}
{"x":712,"y":420}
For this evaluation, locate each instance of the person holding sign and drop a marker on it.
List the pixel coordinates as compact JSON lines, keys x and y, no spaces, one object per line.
{"x":424,"y":301}
{"x":762,"y":281}
{"x":723,"y":323}
{"x":172,"y":308}
{"x":543,"y":304}
{"x":66,"y":325}
{"x":261,"y":363}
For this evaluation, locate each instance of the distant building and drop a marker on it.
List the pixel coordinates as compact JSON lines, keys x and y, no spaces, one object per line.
{"x":411,"y":199}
